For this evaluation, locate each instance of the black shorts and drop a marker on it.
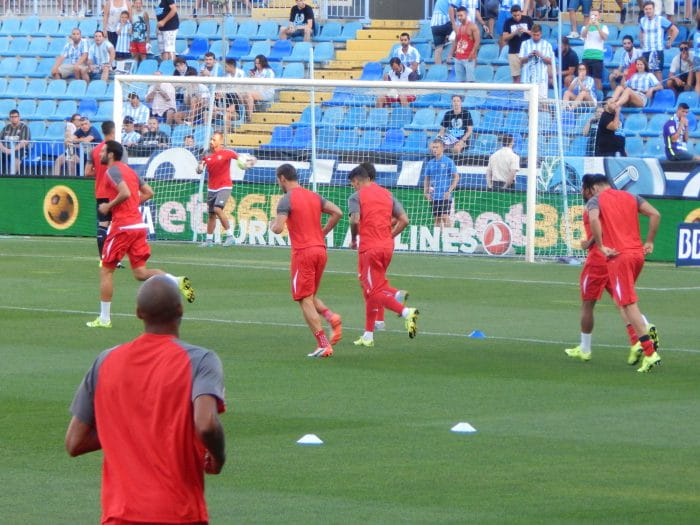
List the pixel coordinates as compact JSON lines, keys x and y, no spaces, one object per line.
{"x":491,"y":9}
{"x":101,"y":217}
{"x":595,"y":68}
{"x":441,"y":33}
{"x":441,"y":207}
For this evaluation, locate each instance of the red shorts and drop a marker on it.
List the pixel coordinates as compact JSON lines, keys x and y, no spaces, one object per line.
{"x":594,"y":280}
{"x":138,"y":47}
{"x":306,"y":271}
{"x":623,"y":271}
{"x":126,"y":242}
{"x":396,"y":100}
{"x":372,"y":267}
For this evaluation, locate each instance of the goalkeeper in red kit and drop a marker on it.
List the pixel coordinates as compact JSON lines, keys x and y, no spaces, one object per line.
{"x":613,"y":216}
{"x":373,"y":210}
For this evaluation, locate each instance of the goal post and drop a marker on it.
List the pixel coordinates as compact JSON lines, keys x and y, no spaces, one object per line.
{"x":327,"y":127}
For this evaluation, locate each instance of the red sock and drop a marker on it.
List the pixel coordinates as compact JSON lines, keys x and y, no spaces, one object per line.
{"x":632,"y":334}
{"x":321,"y":339}
{"x":327,"y":314}
{"x":370,"y":315}
{"x":647,"y":345}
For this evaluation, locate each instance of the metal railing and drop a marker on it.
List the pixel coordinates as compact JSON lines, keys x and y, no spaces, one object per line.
{"x":47,"y":158}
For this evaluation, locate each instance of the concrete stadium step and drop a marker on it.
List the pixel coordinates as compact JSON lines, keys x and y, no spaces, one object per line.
{"x":267,"y":13}
{"x":383,"y":46}
{"x":247,"y":139}
{"x":379,"y":34}
{"x":259,"y":129}
{"x":346,"y":64}
{"x":268,"y":117}
{"x":288,"y":107}
{"x":303,"y":96}
{"x":398,"y":24}
{"x":366,"y":56}
{"x":334,"y":74}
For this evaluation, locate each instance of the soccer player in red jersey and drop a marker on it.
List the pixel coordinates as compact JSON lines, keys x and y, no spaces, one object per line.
{"x":377,"y":217}
{"x":593,"y":282}
{"x":219,"y":185}
{"x":127,"y":233}
{"x":300,"y":210}
{"x":151,"y":405}
{"x":614,"y":221}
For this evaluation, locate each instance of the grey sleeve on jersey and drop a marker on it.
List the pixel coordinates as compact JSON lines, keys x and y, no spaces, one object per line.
{"x":593,"y":203}
{"x":207,"y":373}
{"x":354,"y":203}
{"x":323,"y":201}
{"x":115,"y":174}
{"x":284,"y":206}
{"x":396,"y":207}
{"x":83,"y":405}
{"x":640,"y":201}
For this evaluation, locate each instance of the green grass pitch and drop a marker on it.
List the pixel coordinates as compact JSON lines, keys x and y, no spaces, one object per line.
{"x":558,"y":441}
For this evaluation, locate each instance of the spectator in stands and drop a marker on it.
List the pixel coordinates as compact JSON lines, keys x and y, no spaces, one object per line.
{"x":536,"y":57}
{"x":301,"y":22}
{"x":676,"y":135}
{"x":466,"y":47}
{"x":627,"y":66}
{"x":101,"y":56}
{"x":62,"y":7}
{"x":397,"y":72}
{"x":590,"y":128}
{"x":569,"y":62}
{"x":78,"y":149}
{"x":664,"y":7}
{"x":210,"y":67}
{"x":439,"y":181}
{"x":134,"y":109}
{"x":130,"y":137}
{"x":456,"y":127}
{"x":141,"y":31}
{"x":190,"y":145}
{"x":651,"y":35}
{"x":682,"y":74}
{"x":572,"y":8}
{"x":607,"y":142}
{"x":14,"y":144}
{"x":225,"y":3}
{"x":473,"y":15}
{"x":161,"y":97}
{"x":167,"y":23}
{"x":639,"y":89}
{"x":516,"y":30}
{"x":594,"y":35}
{"x":195,"y":102}
{"x":491,"y":10}
{"x":542,"y":9}
{"x":111,"y":17}
{"x":503,"y":166}
{"x":409,"y":55}
{"x":182,"y":68}
{"x":581,"y":89}
{"x":229,"y":104}
{"x":261,"y":94}
{"x":124,"y":31}
{"x":73,"y":59}
{"x":440,"y":27}
{"x":153,"y":139}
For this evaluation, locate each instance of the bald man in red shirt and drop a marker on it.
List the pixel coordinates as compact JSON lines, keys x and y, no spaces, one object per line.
{"x":300,"y":210}
{"x":377,"y":217}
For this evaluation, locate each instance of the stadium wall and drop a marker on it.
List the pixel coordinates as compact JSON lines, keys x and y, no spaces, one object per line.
{"x":393,"y":9}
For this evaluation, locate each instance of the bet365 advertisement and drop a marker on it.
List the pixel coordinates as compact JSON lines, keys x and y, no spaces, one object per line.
{"x":480,"y":223}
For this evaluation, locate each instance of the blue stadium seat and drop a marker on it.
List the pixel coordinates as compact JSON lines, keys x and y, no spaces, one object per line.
{"x":18,"y":47}
{"x":654,"y":147}
{"x":55,"y":131}
{"x":166,"y":67}
{"x":197,"y":48}
{"x":377,"y":118}
{"x":634,"y":146}
{"x":294,"y":70}
{"x":105,"y":111}
{"x":239,"y":48}
{"x":35,"y":88}
{"x":326,"y":138}
{"x":631,"y":30}
{"x":48,"y":27}
{"x":503,"y":75}
{"x":280,"y":50}
{"x":350,"y":30}
{"x":491,"y":121}
{"x":75,"y":90}
{"x":281,"y":138}
{"x":372,"y":71}
{"x":333,"y":116}
{"x":305,"y":117}
{"x":669,"y":54}
{"x":219,"y":48}
{"x":278,"y":68}
{"x":424,"y":118}
{"x":30,"y":26}
{"x":200,"y":135}
{"x":96,"y":89}
{"x":655,"y":126}
{"x":682,"y":34}
{"x":37,"y":130}
{"x":487,"y":54}
{"x":617,"y":58}
{"x":258,"y":48}
{"x":424,"y":34}
{"x":208,"y":29}
{"x":689,"y":97}
{"x":10,"y":27}
{"x":187,"y":29}
{"x":393,"y":141}
{"x":45,"y":108}
{"x":369,"y":140}
{"x":436,"y":73}
{"x":515,"y":122}
{"x":27,"y":66}
{"x":248,"y":29}
{"x":268,"y":30}
{"x":354,"y":117}
{"x":300,"y":53}
{"x":166,"y":128}
{"x":147,"y":67}
{"x":228,"y":30}
{"x":87,"y":27}
{"x":484,"y":144}
{"x":330,"y":32}
{"x":613,"y":33}
{"x":428,"y":100}
{"x":37,"y":47}
{"x":65,"y":109}
{"x":483,"y":73}
{"x":634,"y":124}
{"x":347,"y":140}
{"x":27,"y":109}
{"x":415,"y":142}
{"x":324,"y":52}
{"x":17,"y":87}
{"x":6,"y":105}
{"x":400,"y":117}
{"x":302,"y":138}
{"x":3,"y":86}
{"x":88,"y":107}
{"x":179,"y":133}
{"x":54,"y":48}
{"x":664,"y":102}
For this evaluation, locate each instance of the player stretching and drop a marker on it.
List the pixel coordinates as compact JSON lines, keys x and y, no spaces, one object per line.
{"x":372,"y":211}
{"x":127,"y":233}
{"x":219,"y":186}
{"x":300,"y":209}
{"x":594,"y":280}
{"x":615,"y":228}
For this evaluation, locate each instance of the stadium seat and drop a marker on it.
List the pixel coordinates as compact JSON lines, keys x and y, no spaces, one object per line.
{"x":105,"y":111}
{"x":669,"y":55}
{"x":491,"y":121}
{"x":37,"y":130}
{"x":18,"y":47}
{"x":377,"y":118}
{"x":330,"y":32}
{"x":45,"y":108}
{"x":54,"y":48}
{"x":37,"y":47}
{"x":416,"y":143}
{"x":65,"y":109}
{"x":483,"y":73}
{"x":219,"y":48}
{"x":239,"y":48}
{"x":400,"y":117}
{"x":248,"y":29}
{"x":166,"y":128}
{"x":424,"y":34}
{"x":208,"y":29}
{"x":16,"y":88}
{"x":634,"y":146}
{"x":324,"y":52}
{"x":305,"y":117}
{"x":197,"y":48}
{"x":10,"y":27}
{"x":200,"y":136}
{"x":280,"y":50}
{"x":347,"y":140}
{"x":369,"y":140}
{"x":515,"y":122}
{"x":35,"y":88}
{"x":179,"y":133}
{"x":96,"y":89}
{"x":393,"y":141}
{"x":354,"y":117}
{"x":87,"y":27}
{"x":55,"y":131}
{"x":75,"y":90}
{"x":6,"y":105}
{"x":436,"y":73}
{"x":350,"y":30}
{"x":88,"y":107}
{"x":424,"y":118}
{"x":484,"y":144}
{"x":333,"y":116}
{"x":664,"y":101}
{"x":48,"y":27}
{"x":487,"y":54}
{"x":3,"y":86}
{"x":27,"y":67}
{"x":682,"y":34}
{"x":613,"y":33}
{"x":617,"y":58}
{"x":634,"y":124}
{"x":689,"y":97}
{"x":655,"y":126}
{"x":503,"y":75}
{"x":277,"y":67}
{"x":281,"y":138}
{"x":654,"y":147}
{"x":27,"y":108}
{"x":187,"y":29}
{"x":299,"y":53}
{"x":294,"y":70}
{"x":29,"y":26}
{"x":147,"y":67}
{"x":372,"y":71}
{"x":326,"y":137}
{"x":228,"y":30}
{"x":268,"y":30}
{"x":631,"y":30}
{"x":258,"y":48}
{"x":302,"y":138}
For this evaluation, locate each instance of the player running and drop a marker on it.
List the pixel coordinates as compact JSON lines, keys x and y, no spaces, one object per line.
{"x":594,"y":280}
{"x":614,"y":222}
{"x":219,"y":186}
{"x":127,"y":233}
{"x":373,"y":210}
{"x":300,"y":210}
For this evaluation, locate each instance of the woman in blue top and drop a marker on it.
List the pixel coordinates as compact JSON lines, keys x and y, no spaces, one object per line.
{"x":581,"y":89}
{"x":636,"y":91}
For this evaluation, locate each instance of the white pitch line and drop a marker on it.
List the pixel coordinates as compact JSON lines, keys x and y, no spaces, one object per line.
{"x":304,"y":326}
{"x":284,"y":267}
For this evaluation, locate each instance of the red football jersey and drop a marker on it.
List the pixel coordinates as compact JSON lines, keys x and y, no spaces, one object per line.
{"x":126,"y":213}
{"x":303,"y":210}
{"x":619,"y":218}
{"x":595,"y":256}
{"x":376,"y":211}
{"x":219,"y":167}
{"x":103,"y":189}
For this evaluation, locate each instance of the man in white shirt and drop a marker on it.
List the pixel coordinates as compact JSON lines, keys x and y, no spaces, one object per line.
{"x":503,"y":166}
{"x":409,"y":55}
{"x":101,"y":56}
{"x":594,"y":35}
{"x":629,"y":57}
{"x":136,"y":110}
{"x":536,"y":56}
{"x":398,"y":72}
{"x":681,"y":74}
{"x":161,"y":97}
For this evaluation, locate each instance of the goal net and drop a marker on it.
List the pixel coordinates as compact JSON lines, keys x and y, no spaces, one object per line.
{"x":412,"y":132}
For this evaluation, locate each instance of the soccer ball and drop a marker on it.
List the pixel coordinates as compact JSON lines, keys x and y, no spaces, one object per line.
{"x":60,"y":207}
{"x":245,"y":161}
